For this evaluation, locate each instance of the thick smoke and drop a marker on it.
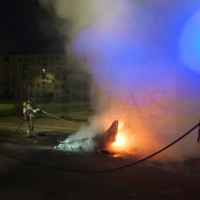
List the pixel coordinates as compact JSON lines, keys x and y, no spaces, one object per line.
{"x":132,"y":50}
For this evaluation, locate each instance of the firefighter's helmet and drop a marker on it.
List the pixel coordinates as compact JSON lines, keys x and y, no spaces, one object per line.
{"x":31,"y":100}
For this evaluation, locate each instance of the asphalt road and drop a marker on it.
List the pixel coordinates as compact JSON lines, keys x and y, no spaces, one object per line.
{"x":34,"y":169}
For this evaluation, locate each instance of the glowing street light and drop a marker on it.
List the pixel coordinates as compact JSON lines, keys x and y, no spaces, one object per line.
{"x":43,"y":74}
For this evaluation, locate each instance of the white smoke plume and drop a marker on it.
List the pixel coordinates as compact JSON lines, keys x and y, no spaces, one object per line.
{"x":128,"y":48}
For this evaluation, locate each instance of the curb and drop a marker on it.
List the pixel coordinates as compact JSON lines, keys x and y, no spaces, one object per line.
{"x":38,"y":128}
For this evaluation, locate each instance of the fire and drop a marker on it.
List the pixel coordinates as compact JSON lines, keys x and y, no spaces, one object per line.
{"x":124,"y":139}
{"x":122,"y":142}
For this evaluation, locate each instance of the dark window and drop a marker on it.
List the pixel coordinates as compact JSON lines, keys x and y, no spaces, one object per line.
{"x":38,"y":85}
{"x":43,"y":92}
{"x":57,"y":76}
{"x":13,"y":93}
{"x":7,"y":92}
{"x":7,"y":75}
{"x":7,"y":84}
{"x":26,"y":58}
{"x":6,"y":58}
{"x":44,"y":58}
{"x":7,"y":67}
{"x":25,"y":67}
{"x":44,"y":66}
{"x":19,"y":59}
{"x":57,"y":58}
{"x":25,"y":75}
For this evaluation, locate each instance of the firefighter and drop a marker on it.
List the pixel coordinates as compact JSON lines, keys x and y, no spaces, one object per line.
{"x":29,"y":111}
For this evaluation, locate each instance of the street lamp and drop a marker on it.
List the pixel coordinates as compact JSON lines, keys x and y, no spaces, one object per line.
{"x":43,"y":74}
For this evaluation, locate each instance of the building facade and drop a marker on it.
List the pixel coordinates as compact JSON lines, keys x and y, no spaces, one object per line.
{"x":57,"y":76}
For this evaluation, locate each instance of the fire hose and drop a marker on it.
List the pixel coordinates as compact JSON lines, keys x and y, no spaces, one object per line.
{"x":108,"y":170}
{"x":29,"y":124}
{"x":53,"y":116}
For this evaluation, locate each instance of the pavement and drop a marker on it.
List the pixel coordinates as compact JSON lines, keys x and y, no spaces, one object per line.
{"x":35,"y":169}
{"x":41,"y":124}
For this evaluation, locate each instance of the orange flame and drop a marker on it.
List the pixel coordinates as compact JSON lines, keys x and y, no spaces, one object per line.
{"x":122,"y":142}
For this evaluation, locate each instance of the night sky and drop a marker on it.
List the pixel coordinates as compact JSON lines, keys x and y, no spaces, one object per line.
{"x":22,"y":28}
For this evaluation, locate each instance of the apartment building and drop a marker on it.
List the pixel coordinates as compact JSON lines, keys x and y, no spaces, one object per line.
{"x":42,"y":74}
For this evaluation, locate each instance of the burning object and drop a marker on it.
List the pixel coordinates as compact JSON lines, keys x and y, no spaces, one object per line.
{"x":100,"y":141}
{"x":102,"y":151}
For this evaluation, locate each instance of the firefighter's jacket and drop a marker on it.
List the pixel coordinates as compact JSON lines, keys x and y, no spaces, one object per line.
{"x":29,"y":110}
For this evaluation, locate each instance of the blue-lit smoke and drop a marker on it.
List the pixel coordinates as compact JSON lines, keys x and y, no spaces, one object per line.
{"x":126,"y":49}
{"x":190,"y":42}
{"x":134,"y":46}
{"x":145,"y":49}
{"x":144,"y":54}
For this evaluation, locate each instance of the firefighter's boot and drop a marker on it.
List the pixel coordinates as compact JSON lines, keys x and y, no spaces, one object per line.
{"x":28,"y":134}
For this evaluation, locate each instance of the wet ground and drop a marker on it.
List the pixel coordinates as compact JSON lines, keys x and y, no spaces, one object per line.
{"x":35,"y":169}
